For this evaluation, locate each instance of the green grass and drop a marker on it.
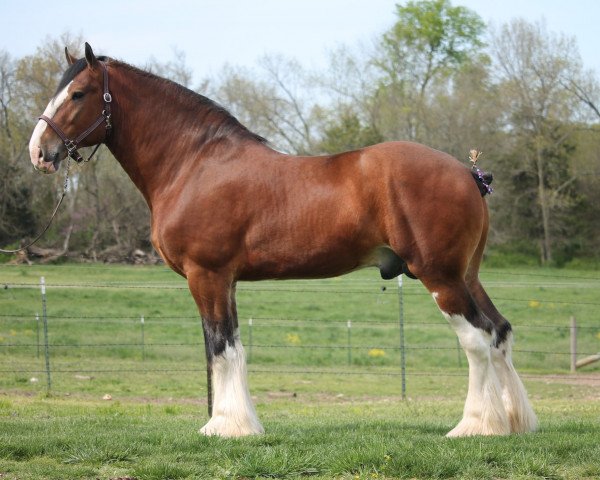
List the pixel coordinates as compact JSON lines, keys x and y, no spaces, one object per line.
{"x":376,"y":438}
{"x":327,"y":415}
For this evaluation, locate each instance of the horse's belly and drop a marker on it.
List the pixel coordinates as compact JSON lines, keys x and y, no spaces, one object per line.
{"x":304,"y":266}
{"x":285,"y":260}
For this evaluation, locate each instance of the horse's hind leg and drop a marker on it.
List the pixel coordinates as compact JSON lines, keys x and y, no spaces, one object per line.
{"x":520,"y":414}
{"x":484,"y":412}
{"x":233,"y":413}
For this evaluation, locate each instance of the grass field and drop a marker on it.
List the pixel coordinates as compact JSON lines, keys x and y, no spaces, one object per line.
{"x":329,"y":396}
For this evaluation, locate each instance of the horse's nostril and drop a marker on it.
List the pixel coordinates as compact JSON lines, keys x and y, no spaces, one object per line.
{"x":54,"y":157}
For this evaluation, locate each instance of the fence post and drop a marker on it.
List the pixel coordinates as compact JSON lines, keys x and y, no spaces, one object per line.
{"x":349,"y":342}
{"x":37,"y":329}
{"x":143,"y":342}
{"x":573,"y":344}
{"x":46,"y":346}
{"x":402,"y":350}
{"x":249,"y":340}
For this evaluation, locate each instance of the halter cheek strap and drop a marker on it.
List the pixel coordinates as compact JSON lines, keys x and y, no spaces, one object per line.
{"x":105,"y":116}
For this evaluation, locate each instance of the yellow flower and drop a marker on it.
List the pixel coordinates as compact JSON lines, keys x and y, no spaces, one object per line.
{"x":534,"y":303}
{"x":376,"y":352}
{"x":293,"y":339}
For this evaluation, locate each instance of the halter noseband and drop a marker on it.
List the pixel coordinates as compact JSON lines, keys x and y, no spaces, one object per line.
{"x":105,"y":116}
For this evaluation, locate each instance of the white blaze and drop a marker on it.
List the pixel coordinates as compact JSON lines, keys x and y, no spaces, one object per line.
{"x":36,"y":137}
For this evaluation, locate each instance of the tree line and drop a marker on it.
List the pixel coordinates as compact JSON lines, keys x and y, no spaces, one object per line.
{"x":439,"y":76}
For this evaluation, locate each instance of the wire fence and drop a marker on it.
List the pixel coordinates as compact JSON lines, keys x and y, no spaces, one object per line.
{"x":356,"y":328}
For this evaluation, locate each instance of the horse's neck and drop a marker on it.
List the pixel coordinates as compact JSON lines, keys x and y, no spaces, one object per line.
{"x":155,"y":132}
{"x":136,"y":140}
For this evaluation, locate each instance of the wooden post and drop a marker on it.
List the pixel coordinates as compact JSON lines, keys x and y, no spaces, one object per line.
{"x":588,"y":360}
{"x":573,"y":345}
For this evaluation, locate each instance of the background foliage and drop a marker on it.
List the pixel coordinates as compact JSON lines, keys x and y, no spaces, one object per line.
{"x":439,"y":76}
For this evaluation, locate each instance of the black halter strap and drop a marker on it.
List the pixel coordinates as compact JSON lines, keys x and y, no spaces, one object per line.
{"x":105,"y":116}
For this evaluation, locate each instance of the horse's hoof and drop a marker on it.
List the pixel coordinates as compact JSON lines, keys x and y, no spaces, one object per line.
{"x":526,"y":422}
{"x":226,"y":428}
{"x":469,"y":427}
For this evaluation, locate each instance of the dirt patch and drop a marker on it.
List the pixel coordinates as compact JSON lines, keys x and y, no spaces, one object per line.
{"x":583,"y":380}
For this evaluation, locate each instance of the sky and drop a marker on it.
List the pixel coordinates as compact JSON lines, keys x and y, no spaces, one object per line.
{"x":213,"y":33}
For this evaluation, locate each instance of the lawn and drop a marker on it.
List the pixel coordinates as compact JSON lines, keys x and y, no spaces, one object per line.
{"x":328,"y":391}
{"x":318,"y":436}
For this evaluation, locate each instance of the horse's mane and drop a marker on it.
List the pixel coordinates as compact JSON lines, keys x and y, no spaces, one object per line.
{"x":228,"y":124}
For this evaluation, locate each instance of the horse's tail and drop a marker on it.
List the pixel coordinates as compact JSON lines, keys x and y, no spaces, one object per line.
{"x":483,"y":180}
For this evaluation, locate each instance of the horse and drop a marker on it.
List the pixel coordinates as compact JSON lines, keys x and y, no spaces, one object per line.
{"x":227,"y":207}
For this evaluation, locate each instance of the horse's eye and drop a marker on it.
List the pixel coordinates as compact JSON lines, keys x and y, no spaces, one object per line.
{"x":77,"y":95}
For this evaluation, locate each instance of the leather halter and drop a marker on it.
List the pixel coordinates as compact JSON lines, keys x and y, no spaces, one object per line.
{"x":105,"y":116}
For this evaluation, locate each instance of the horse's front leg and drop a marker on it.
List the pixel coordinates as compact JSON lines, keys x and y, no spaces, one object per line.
{"x":232,"y":413}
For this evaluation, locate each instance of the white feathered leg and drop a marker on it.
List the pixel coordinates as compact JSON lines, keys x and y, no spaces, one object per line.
{"x":233,"y":411}
{"x":521,"y":416}
{"x":484,"y":412}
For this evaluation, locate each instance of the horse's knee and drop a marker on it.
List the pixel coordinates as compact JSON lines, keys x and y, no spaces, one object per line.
{"x":217,"y":336}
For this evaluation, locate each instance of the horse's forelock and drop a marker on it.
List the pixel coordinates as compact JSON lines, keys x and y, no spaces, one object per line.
{"x":74,"y":69}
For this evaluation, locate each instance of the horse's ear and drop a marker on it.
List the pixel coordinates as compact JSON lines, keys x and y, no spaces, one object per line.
{"x":89,"y":56}
{"x":70,"y":58}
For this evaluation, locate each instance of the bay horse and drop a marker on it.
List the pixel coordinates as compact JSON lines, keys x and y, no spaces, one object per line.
{"x":226,"y":207}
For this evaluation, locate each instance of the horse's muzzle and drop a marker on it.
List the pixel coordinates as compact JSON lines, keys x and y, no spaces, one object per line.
{"x":41,"y":164}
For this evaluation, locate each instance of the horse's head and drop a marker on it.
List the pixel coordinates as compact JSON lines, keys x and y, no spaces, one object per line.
{"x":80,"y":105}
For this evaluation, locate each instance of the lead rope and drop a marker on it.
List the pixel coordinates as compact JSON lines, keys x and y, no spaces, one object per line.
{"x":64,"y":192}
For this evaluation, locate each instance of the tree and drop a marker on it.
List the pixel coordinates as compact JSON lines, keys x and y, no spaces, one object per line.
{"x":16,"y":215}
{"x":466,"y":113}
{"x":531,"y":65}
{"x":587,"y":90}
{"x":275,"y":103}
{"x":430,"y":41}
{"x":175,"y":69}
{"x":347,"y":133}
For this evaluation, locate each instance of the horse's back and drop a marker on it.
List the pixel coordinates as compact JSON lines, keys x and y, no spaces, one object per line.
{"x":416,"y":162}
